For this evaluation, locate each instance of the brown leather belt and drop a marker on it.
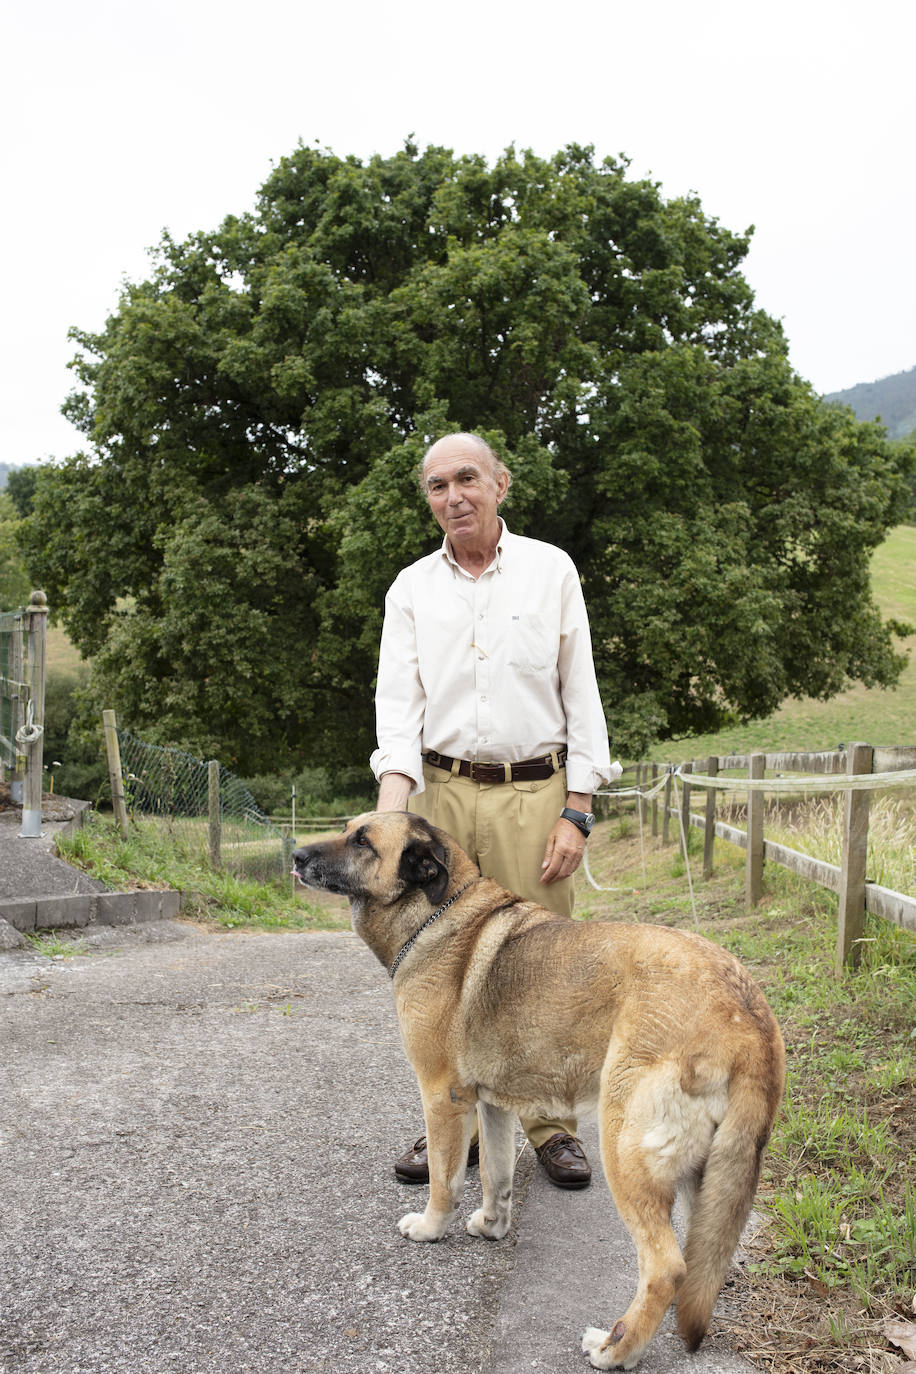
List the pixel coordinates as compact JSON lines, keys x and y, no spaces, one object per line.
{"x":529,"y":770}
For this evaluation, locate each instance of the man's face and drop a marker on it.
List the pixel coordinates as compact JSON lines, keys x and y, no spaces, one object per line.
{"x":463,"y":491}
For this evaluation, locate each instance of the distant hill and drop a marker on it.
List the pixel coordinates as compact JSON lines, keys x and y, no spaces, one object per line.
{"x":892,"y":399}
{"x":5,"y":469}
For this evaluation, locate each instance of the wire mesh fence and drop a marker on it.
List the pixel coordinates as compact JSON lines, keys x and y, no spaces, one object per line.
{"x":13,"y":687}
{"x":223,"y":823}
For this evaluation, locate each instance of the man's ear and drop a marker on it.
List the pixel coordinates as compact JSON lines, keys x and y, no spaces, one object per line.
{"x":423,"y":866}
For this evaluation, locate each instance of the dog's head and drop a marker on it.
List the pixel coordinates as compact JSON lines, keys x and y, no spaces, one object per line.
{"x":381,"y":856}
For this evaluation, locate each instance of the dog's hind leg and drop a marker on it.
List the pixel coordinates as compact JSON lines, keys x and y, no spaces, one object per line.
{"x":449,"y":1125}
{"x":497,"y":1164}
{"x":644,"y":1191}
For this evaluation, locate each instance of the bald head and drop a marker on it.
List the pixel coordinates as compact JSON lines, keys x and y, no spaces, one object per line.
{"x":454,"y":445}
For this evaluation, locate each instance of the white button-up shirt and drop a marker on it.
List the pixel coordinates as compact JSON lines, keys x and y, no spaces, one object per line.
{"x":497,"y":669}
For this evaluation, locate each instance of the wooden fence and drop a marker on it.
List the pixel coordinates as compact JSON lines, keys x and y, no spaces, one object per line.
{"x":848,"y":879}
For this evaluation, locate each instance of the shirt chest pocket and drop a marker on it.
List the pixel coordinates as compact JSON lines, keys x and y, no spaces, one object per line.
{"x":530,"y":644}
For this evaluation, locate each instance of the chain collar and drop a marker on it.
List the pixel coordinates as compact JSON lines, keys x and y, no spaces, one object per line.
{"x":428,"y":922}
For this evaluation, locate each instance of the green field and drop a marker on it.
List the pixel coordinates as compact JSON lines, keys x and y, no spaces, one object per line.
{"x":60,"y":655}
{"x":873,"y":715}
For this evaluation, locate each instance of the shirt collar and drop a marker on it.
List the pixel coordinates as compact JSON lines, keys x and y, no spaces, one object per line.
{"x":504,"y":540}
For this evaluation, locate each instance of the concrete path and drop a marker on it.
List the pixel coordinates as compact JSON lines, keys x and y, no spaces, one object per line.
{"x":39,"y":892}
{"x":198,"y":1134}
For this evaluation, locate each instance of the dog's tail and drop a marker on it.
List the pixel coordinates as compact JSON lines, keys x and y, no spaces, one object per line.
{"x":726,"y":1192}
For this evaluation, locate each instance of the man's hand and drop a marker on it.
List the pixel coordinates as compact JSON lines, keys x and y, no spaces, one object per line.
{"x":565,"y":843}
{"x":393,"y":791}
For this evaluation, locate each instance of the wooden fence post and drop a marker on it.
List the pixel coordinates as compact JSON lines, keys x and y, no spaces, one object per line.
{"x":753,"y":871}
{"x":115,"y":776}
{"x":666,"y":814}
{"x":641,"y":801}
{"x":851,"y":914}
{"x":655,"y":801}
{"x":685,"y":800}
{"x":286,"y":841}
{"x":215,"y":815}
{"x":709,"y":833}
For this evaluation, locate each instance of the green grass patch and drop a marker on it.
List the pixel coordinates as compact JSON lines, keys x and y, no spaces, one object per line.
{"x":52,"y":945}
{"x":152,"y":856}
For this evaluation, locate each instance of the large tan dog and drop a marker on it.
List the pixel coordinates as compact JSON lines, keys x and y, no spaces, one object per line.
{"x":507,"y":1008}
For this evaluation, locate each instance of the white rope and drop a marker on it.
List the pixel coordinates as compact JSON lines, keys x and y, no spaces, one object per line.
{"x":680,"y":817}
{"x":644,"y":796}
{"x":859,"y":782}
{"x":30,"y":732}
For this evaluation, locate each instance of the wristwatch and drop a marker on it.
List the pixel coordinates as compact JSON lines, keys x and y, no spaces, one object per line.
{"x":582,"y":820}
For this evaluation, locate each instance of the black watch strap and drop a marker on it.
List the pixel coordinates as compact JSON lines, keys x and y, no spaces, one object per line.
{"x":582,"y":820}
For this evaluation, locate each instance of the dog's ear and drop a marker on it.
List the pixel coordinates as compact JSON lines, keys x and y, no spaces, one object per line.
{"x":423,"y":866}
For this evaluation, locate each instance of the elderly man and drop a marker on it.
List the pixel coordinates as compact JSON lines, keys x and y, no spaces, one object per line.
{"x":488,"y":714}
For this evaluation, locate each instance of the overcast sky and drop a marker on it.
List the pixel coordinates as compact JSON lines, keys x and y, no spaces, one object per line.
{"x":121,"y":119}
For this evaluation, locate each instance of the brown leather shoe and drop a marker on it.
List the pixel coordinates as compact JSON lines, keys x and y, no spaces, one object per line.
{"x":564,"y":1161}
{"x":414,"y":1166}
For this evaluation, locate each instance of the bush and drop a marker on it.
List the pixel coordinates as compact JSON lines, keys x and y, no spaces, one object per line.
{"x":74,"y":746}
{"x":319,"y":791}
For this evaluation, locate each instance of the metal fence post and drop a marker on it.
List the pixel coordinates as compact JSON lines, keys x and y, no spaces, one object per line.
{"x":666,"y":813}
{"x":654,"y":801}
{"x":33,"y":728}
{"x":753,"y":870}
{"x":213,"y":799}
{"x":851,"y":914}
{"x":709,"y":833}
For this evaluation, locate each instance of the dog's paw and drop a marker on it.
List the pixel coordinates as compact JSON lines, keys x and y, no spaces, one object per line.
{"x":491,"y":1228}
{"x":415,"y":1227}
{"x":599,"y":1346}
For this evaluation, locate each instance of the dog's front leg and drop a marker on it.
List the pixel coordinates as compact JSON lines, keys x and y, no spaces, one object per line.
{"x":449,"y":1124}
{"x":497,"y":1165}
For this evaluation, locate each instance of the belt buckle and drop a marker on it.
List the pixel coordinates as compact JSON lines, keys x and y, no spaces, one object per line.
{"x":474,"y":765}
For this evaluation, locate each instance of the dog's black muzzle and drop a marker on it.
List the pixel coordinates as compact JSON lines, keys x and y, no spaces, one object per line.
{"x":314,"y":868}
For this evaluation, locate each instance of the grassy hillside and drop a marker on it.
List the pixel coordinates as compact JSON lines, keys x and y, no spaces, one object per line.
{"x":60,"y":655}
{"x":874,"y":715}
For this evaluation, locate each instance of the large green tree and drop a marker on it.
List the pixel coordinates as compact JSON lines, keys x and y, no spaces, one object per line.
{"x":14,"y":581}
{"x":254,"y":414}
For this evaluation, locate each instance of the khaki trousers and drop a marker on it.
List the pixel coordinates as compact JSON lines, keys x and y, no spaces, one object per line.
{"x":504,"y":827}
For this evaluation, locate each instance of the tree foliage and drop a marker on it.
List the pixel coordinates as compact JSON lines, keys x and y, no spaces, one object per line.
{"x":14,"y":580}
{"x":254,"y":414}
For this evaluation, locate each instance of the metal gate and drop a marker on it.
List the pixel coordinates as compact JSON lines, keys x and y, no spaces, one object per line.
{"x":22,"y":698}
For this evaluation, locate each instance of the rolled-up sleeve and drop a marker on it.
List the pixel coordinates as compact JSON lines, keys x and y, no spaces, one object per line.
{"x":400,"y":700}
